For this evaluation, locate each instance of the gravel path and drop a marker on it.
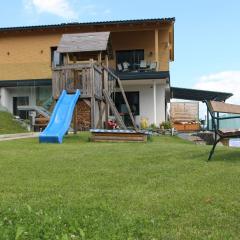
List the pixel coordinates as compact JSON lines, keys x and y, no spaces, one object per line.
{"x":8,"y":137}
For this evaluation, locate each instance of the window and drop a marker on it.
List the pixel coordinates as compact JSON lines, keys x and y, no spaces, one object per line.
{"x":20,"y":101}
{"x":133,"y":100}
{"x":56,"y":57}
{"x":44,"y":96}
{"x":132,"y":57}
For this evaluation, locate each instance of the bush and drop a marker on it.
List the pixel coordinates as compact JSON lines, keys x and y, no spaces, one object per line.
{"x":166,"y":125}
{"x":153,"y":126}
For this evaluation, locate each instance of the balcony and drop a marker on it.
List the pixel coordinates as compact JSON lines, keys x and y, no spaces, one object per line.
{"x":140,"y":70}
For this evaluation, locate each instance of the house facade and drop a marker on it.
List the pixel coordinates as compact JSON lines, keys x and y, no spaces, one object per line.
{"x":141,"y":54}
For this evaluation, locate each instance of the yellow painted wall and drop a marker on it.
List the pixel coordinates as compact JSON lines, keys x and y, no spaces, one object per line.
{"x":29,"y":56}
{"x":143,"y":40}
{"x":25,"y":57}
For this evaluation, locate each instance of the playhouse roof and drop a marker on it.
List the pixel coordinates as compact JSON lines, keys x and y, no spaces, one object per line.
{"x":84,"y":42}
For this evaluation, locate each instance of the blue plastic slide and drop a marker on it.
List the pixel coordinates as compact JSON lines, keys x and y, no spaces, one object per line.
{"x":61,"y":118}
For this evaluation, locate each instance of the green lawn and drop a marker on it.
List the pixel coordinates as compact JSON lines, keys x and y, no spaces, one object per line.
{"x":8,"y":125}
{"x":163,"y":189}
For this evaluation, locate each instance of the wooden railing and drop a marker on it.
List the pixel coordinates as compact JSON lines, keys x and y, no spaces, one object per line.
{"x":85,"y":77}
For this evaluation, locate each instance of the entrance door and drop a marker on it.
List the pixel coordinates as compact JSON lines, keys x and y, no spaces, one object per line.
{"x":20,"y":101}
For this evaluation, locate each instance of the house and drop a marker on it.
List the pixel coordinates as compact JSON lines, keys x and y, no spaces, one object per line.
{"x":141,"y":54}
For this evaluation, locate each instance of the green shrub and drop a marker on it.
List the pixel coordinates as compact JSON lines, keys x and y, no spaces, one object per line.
{"x":166,"y":125}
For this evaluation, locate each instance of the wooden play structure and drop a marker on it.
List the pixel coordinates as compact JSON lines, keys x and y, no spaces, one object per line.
{"x":85,"y":59}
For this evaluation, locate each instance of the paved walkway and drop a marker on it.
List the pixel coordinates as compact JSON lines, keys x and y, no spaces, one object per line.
{"x":8,"y":137}
{"x":191,"y":137}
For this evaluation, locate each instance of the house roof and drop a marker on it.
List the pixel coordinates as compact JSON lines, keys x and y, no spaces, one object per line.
{"x":84,"y":42}
{"x":79,"y":24}
{"x":198,"y":95}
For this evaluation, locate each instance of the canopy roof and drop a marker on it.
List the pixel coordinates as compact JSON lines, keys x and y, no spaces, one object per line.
{"x":84,"y":42}
{"x":198,"y":95}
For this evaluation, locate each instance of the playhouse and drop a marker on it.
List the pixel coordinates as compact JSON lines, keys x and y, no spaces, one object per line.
{"x":84,"y":87}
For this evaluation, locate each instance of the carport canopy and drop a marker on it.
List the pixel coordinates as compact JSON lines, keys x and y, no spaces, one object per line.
{"x":198,"y":95}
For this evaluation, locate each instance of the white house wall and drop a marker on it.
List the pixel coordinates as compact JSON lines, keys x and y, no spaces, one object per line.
{"x":146,"y":101}
{"x":161,"y":108}
{"x":5,"y":98}
{"x":7,"y":95}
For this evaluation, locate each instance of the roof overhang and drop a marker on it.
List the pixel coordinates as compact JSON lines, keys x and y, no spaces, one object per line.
{"x":26,"y":83}
{"x":65,"y":26}
{"x":198,"y":95}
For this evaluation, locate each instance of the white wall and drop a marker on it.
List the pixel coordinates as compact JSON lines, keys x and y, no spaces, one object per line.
{"x":161,"y":108}
{"x":146,"y":101}
{"x":5,"y":98}
{"x":7,"y":95}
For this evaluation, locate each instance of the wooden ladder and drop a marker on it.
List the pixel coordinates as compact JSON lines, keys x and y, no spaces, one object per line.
{"x":114,"y":110}
{"x":123,"y":94}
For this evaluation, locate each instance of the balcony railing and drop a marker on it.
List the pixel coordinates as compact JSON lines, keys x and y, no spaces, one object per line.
{"x":142,"y":66}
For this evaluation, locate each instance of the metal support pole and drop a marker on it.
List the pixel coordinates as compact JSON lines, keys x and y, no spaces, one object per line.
{"x":207,"y":120}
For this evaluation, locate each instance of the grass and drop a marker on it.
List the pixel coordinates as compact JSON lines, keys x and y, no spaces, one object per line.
{"x":8,"y":125}
{"x":163,"y":189}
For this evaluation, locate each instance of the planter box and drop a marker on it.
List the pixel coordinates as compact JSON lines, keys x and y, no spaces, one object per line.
{"x":187,"y":127}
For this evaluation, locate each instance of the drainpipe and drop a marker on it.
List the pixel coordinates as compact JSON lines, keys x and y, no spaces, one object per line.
{"x":155,"y":102}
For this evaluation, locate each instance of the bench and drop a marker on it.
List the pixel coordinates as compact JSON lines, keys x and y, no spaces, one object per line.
{"x":214,"y":109}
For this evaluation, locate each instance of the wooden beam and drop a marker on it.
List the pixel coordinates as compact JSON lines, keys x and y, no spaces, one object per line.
{"x":101,"y":112}
{"x":127,"y":104}
{"x":105,"y":87}
{"x":114,"y":110}
{"x":92,"y":96}
{"x":124,"y":95}
{"x":100,"y":58}
{"x":106,"y":61}
{"x":156,"y":32}
{"x":75,"y":127}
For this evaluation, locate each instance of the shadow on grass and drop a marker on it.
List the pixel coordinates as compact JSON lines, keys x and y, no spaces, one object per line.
{"x":229,"y":156}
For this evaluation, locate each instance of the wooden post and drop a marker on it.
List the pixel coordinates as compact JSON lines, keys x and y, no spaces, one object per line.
{"x":92,"y":95}
{"x":105,"y":87}
{"x":100,"y":58}
{"x":75,"y":127}
{"x":106,"y":61}
{"x":156,"y":48}
{"x":101,"y":112}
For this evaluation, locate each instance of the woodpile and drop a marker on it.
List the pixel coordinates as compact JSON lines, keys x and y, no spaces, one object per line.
{"x":83,"y":115}
{"x":40,"y":123}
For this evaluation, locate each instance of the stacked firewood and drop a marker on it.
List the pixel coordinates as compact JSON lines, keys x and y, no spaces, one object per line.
{"x":83,"y":116}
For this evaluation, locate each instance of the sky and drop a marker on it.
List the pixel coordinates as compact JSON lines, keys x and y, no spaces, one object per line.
{"x":207,"y":33}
